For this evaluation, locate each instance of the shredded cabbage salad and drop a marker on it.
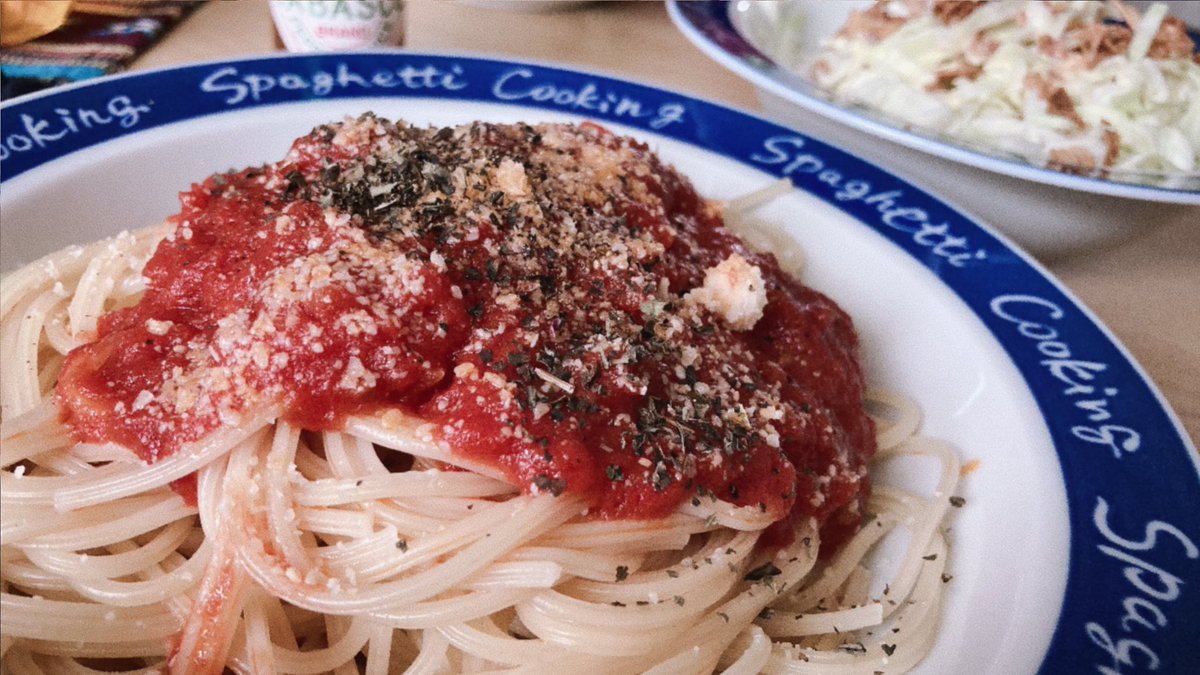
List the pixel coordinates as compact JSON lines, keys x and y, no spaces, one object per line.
{"x":1086,"y":87}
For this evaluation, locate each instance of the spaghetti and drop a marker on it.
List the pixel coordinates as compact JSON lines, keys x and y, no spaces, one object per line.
{"x":492,"y":398}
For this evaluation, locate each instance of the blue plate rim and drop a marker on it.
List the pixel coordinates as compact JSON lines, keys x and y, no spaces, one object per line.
{"x":1151,"y":463}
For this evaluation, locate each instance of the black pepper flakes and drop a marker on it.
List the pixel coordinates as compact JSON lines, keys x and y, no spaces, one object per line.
{"x":763,"y":572}
{"x":555,"y":486}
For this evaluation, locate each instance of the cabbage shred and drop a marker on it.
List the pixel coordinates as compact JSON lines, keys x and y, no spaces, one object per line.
{"x":1091,"y":88}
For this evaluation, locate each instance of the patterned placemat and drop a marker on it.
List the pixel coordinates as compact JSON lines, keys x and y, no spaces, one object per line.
{"x":99,"y":37}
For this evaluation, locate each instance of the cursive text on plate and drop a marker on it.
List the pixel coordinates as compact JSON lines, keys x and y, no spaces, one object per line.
{"x":44,"y":130}
{"x":893,"y":212}
{"x":1154,"y":588}
{"x":237,"y":86}
{"x":1033,"y":316}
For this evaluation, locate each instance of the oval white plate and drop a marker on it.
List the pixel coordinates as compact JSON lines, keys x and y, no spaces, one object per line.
{"x":1082,"y":508}
{"x":1048,"y":212}
{"x":746,"y":38}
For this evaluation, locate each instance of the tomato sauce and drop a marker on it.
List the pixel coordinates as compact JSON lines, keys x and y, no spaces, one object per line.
{"x":527,"y":291}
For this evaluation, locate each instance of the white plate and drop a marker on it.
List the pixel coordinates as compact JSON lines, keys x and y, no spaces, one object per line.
{"x":1048,"y":212}
{"x":1047,"y":551}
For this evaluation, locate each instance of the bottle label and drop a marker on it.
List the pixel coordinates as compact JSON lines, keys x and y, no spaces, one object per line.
{"x":306,"y":26}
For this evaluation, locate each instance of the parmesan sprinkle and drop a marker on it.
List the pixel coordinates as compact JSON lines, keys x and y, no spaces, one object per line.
{"x":561,"y":384}
{"x":733,"y":290}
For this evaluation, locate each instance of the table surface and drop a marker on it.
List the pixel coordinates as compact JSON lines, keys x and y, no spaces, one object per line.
{"x":1146,"y":290}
